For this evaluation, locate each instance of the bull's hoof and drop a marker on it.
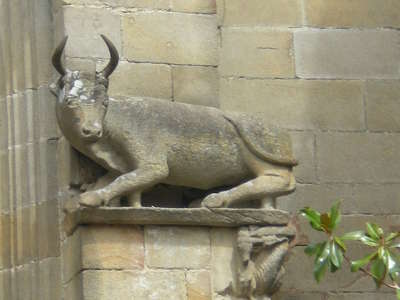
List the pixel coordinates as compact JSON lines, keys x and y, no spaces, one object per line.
{"x":214,"y":201}
{"x":91,"y":199}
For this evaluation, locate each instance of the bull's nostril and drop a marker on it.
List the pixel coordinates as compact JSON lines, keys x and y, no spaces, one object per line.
{"x":85,"y":131}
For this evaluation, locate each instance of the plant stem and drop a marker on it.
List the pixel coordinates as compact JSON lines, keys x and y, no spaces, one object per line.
{"x":389,"y":285}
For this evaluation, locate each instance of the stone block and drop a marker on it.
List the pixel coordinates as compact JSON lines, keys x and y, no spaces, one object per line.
{"x":320,"y":197}
{"x":383,"y":107}
{"x":23,"y":233}
{"x":3,"y":125}
{"x":177,"y":247}
{"x":298,"y":295}
{"x":356,"y":13}
{"x":90,"y":23}
{"x":377,"y":199}
{"x":73,"y":290}
{"x":23,"y":281}
{"x":156,"y":285}
{"x":4,"y":183}
{"x":256,"y":53}
{"x":81,"y":64}
{"x":158,"y":4}
{"x":196,"y":85}
{"x":198,"y":284}
{"x":5,"y":241}
{"x":361,"y":296}
{"x":297,"y":104}
{"x":112,"y":247}
{"x":22,"y":195}
{"x":19,"y":110}
{"x":46,"y":170}
{"x":262,"y":12}
{"x":223,"y":243}
{"x":194,"y":6}
{"x":5,"y":284}
{"x":146,"y":80}
{"x":188,"y":38}
{"x":347,"y":54}
{"x":5,"y":76}
{"x":50,"y":279}
{"x":358,"y":157}
{"x":72,"y":256}
{"x":303,"y":149}
{"x":48,"y":229}
{"x":47,"y":117}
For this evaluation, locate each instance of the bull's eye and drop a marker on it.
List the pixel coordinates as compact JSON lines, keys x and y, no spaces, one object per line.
{"x":105,"y":103}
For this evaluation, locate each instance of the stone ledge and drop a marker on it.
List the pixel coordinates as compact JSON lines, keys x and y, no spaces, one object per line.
{"x":219,"y":217}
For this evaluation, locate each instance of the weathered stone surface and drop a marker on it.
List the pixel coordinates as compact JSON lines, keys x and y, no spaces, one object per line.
{"x":167,"y":246}
{"x":110,"y":247}
{"x":361,"y":296}
{"x":196,"y":6}
{"x":5,"y":284}
{"x":5,"y":241}
{"x":90,"y":23}
{"x":358,"y":157}
{"x":224,"y":217}
{"x":188,"y":39}
{"x":161,"y":4}
{"x":50,"y":279}
{"x":298,"y":295}
{"x":297,"y":104}
{"x":72,"y":256}
{"x":156,"y":285}
{"x":73,"y":290}
{"x":256,"y":53}
{"x":383,"y":106}
{"x":223,"y":245}
{"x":358,"y":13}
{"x":146,"y":80}
{"x":262,"y":12}
{"x":48,"y":230}
{"x":196,"y":85}
{"x":375,"y":199}
{"x":3,"y":125}
{"x":303,"y":148}
{"x":4,"y":183}
{"x":198,"y":285}
{"x":347,"y":54}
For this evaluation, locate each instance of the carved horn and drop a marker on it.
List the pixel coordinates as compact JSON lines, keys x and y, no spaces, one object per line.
{"x":114,"y":58}
{"x":56,"y":59}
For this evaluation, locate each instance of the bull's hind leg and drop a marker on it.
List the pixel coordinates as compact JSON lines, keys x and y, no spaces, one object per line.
{"x":263,"y":187}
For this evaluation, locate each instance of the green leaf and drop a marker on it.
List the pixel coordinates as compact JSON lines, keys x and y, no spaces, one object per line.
{"x":313,"y":216}
{"x":369,"y":241}
{"x":341,"y":243}
{"x":313,"y":249}
{"x":336,"y":255}
{"x":356,"y":265}
{"x":392,"y":236}
{"x":321,"y":263}
{"x":373,"y":232}
{"x":398,"y":294}
{"x":353,"y":236}
{"x":378,"y":271}
{"x":335,"y":215}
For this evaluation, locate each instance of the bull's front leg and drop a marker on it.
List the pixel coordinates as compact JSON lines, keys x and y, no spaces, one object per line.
{"x":132,"y":182}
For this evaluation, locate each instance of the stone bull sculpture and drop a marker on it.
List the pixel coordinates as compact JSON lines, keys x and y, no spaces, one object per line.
{"x":143,"y":142}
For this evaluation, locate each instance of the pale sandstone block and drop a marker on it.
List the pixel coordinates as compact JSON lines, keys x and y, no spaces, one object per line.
{"x":5,"y":284}
{"x":5,"y":241}
{"x":23,"y":280}
{"x":198,"y":284}
{"x":72,"y":256}
{"x":155,"y":285}
{"x":4,"y":183}
{"x":146,"y":80}
{"x":112,"y":247}
{"x":303,"y":149}
{"x":256,"y":53}
{"x":48,"y":229}
{"x":358,"y":157}
{"x":46,"y":170}
{"x":4,"y":47}
{"x":73,"y":290}
{"x":297,"y":104}
{"x":19,"y":110}
{"x":383,"y":105}
{"x":356,"y":13}
{"x":196,"y":85}
{"x":177,"y":247}
{"x":223,"y":243}
{"x":262,"y":12}
{"x":90,"y":23}
{"x":81,"y":64}
{"x":23,"y":233}
{"x":3,"y":125}
{"x":50,"y":279}
{"x":196,"y":6}
{"x":347,"y":54}
{"x":188,"y":39}
{"x":160,"y":4}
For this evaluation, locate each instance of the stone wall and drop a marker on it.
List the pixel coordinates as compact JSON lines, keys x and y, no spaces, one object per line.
{"x":29,"y":231}
{"x":326,"y":70}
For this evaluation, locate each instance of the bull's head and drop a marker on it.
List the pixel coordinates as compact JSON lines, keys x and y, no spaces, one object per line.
{"x":82,"y":98}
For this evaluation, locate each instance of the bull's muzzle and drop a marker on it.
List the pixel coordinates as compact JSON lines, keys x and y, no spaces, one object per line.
{"x":91,"y":132}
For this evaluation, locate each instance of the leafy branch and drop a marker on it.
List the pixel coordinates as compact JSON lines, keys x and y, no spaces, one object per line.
{"x":382,"y":264}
